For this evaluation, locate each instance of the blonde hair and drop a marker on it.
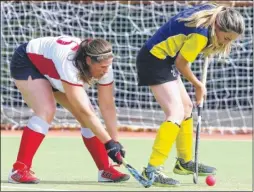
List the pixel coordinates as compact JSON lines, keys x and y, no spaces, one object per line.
{"x":98,"y":50}
{"x":226,"y":18}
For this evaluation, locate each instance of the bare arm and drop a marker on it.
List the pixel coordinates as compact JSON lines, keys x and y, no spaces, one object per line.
{"x":80,"y":101}
{"x":108,"y":108}
{"x":183,"y":67}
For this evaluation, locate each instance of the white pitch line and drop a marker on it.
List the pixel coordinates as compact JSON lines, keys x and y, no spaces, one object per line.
{"x":28,"y":188}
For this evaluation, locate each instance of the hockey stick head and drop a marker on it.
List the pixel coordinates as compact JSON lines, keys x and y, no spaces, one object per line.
{"x":146,"y":183}
{"x":195,"y":178}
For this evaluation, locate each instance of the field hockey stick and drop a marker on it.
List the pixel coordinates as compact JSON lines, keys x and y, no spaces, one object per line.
{"x":200,"y":107}
{"x":146,"y":183}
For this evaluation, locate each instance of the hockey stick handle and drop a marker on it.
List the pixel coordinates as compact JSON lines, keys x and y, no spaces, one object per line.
{"x":203,"y":80}
{"x":204,"y":77}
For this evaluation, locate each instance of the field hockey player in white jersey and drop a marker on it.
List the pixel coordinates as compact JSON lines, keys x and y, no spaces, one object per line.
{"x":47,"y":70}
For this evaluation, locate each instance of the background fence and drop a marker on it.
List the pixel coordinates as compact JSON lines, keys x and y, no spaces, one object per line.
{"x":127,"y":25}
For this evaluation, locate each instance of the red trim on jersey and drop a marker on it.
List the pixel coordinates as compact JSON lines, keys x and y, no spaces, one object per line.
{"x":44,"y":65}
{"x":72,"y":83}
{"x":60,"y":41}
{"x":75,"y":48}
{"x":106,"y":84}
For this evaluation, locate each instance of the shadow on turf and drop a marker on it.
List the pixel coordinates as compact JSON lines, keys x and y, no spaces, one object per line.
{"x":123,"y":184}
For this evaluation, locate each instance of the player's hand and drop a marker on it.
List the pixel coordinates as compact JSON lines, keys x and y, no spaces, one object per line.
{"x":200,"y":91}
{"x":114,"y":151}
{"x":122,"y":150}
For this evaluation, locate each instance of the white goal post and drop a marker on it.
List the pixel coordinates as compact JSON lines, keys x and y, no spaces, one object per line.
{"x":127,"y":25}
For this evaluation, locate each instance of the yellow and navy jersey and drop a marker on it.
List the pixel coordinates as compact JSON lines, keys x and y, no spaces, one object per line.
{"x":174,"y":37}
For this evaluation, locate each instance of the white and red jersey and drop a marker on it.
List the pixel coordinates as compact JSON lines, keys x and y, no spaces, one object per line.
{"x":53,"y":56}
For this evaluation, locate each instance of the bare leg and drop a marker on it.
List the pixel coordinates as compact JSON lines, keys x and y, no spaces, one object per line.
{"x":94,"y":145}
{"x":187,"y":103}
{"x":38,"y":95}
{"x":169,"y":97}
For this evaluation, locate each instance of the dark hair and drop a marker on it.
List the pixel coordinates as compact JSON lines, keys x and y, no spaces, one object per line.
{"x":97,"y":50}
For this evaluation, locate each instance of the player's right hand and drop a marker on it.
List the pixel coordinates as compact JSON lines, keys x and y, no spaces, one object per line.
{"x":114,"y":151}
{"x":200,"y":92}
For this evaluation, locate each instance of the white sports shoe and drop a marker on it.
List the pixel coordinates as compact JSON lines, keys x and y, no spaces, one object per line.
{"x":112,"y":175}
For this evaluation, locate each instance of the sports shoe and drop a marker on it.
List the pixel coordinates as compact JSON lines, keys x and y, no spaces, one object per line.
{"x":161,"y":179}
{"x":183,"y":168}
{"x":112,"y":175}
{"x":22,"y":174}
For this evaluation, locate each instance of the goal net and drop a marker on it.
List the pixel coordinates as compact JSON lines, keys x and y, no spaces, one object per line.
{"x":127,"y":25}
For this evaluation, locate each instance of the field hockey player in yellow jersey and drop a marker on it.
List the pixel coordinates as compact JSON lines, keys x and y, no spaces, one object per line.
{"x":206,"y":29}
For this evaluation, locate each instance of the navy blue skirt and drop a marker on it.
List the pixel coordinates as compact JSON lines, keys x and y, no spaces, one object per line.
{"x":21,"y":66}
{"x":154,"y":71}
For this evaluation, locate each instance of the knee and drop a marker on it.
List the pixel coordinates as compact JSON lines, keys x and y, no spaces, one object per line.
{"x":188,"y":107}
{"x":47,"y":113}
{"x":176,"y":114}
{"x":38,"y":125}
